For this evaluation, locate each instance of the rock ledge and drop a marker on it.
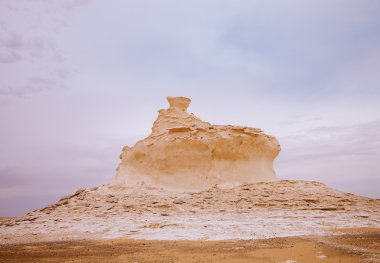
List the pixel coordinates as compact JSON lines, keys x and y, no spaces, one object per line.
{"x":185,"y":153}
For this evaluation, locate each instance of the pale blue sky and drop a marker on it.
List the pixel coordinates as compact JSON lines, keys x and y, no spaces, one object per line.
{"x":81,"y":78}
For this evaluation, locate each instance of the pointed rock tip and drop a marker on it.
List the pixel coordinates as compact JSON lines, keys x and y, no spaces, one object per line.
{"x":180,"y":103}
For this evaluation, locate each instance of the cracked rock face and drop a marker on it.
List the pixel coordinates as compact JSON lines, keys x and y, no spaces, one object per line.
{"x":185,"y":153}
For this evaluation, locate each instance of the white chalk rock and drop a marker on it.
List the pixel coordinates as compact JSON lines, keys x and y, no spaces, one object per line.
{"x":185,"y":153}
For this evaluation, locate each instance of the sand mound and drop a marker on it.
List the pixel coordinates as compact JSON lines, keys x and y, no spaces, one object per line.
{"x":184,"y":152}
{"x":251,"y":211}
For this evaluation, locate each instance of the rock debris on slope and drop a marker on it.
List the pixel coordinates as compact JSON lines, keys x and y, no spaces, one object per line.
{"x":192,"y":180}
{"x":250,"y":211}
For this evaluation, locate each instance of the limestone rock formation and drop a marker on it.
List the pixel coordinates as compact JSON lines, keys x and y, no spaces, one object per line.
{"x":245,"y":212}
{"x":185,"y":153}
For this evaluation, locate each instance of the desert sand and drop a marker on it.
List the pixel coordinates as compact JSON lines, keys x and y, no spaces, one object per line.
{"x":194,"y":192}
{"x":356,"y":245}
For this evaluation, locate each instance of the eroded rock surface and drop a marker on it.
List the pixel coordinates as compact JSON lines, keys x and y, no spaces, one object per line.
{"x":250,"y":211}
{"x":185,"y":153}
{"x":196,"y":181}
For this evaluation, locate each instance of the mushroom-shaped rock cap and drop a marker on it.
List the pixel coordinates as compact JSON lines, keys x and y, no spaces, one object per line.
{"x":185,"y":153}
{"x":180,"y":103}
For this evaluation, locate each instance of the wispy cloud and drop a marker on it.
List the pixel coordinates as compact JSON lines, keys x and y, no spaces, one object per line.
{"x":302,"y":68}
{"x":71,"y":4}
{"x":335,"y":155}
{"x":30,"y":56}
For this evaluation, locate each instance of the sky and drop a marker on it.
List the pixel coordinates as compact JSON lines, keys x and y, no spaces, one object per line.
{"x":79,"y":79}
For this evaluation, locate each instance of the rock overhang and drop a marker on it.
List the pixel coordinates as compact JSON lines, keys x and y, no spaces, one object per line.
{"x":183,"y":152}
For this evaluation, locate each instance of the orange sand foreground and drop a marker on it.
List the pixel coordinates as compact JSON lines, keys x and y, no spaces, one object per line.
{"x":353,"y":245}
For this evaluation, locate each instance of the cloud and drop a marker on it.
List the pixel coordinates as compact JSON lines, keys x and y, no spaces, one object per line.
{"x":328,"y":141}
{"x":9,"y":57}
{"x":303,"y":68}
{"x":37,"y":83}
{"x":307,"y":43}
{"x":335,"y":155}
{"x":31,"y":60}
{"x":20,"y":91}
{"x":70,"y":4}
